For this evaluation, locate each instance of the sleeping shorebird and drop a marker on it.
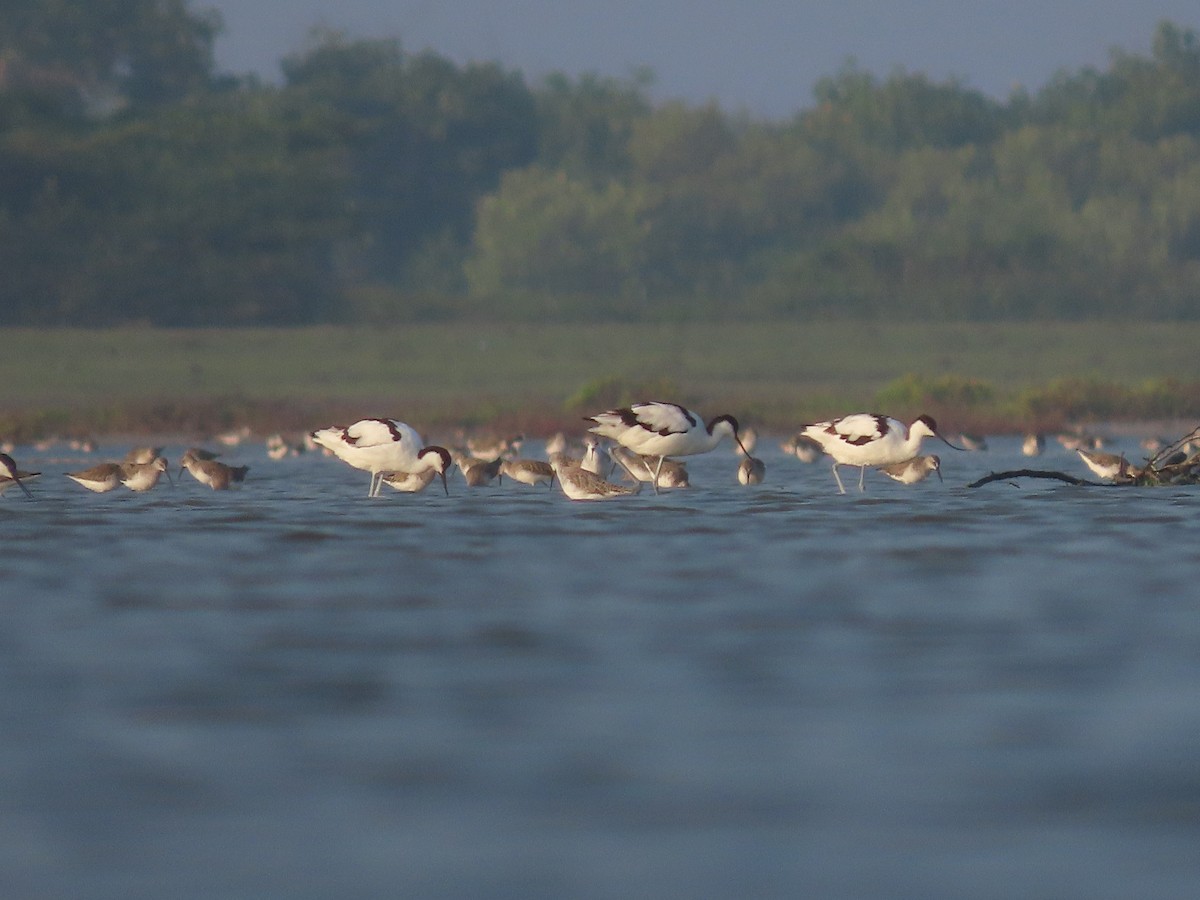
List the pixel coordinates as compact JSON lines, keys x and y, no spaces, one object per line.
{"x":1033,"y":445}
{"x":216,"y":475}
{"x":527,"y":471}
{"x":409,"y":482}
{"x":662,"y":430}
{"x":866,"y":439}
{"x":383,"y":445}
{"x":144,"y":476}
{"x":10,"y":475}
{"x":671,"y":472}
{"x":101,"y":478}
{"x":1105,"y":465}
{"x":913,"y":470}
{"x":580,"y":484}
{"x":751,"y":470}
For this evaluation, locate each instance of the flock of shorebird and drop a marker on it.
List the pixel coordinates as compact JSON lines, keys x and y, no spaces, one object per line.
{"x":645,"y":440}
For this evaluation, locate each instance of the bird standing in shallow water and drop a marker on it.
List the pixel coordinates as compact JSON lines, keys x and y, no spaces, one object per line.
{"x":751,"y":470}
{"x":867,"y":439}
{"x":144,"y":476}
{"x":100,"y":479}
{"x":1105,"y":465}
{"x":383,"y":445}
{"x":580,"y":484}
{"x":216,"y":475}
{"x":671,"y":472}
{"x":916,"y":469}
{"x":479,"y":472}
{"x":662,"y":429}
{"x":409,"y":482}
{"x":528,"y":471}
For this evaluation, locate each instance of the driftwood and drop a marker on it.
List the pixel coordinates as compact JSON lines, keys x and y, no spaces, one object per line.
{"x":1033,"y":473}
{"x":1170,"y":465}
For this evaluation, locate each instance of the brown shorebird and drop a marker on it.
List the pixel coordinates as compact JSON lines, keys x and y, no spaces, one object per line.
{"x":144,"y":476}
{"x":671,"y":472}
{"x":409,"y":482}
{"x":580,"y":484}
{"x":913,"y":470}
{"x":216,"y":475}
{"x":528,"y":471}
{"x":751,"y":470}
{"x":101,"y":478}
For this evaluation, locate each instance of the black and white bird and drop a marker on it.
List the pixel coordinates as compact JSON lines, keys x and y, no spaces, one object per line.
{"x":383,"y":445}
{"x":867,"y":439}
{"x":662,"y":429}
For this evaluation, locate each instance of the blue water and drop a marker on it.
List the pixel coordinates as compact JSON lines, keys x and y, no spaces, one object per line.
{"x":292,"y":691}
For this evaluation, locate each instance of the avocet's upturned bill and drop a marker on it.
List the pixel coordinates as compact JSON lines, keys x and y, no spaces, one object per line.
{"x":663,"y":429}
{"x":383,"y":445}
{"x":867,"y":439}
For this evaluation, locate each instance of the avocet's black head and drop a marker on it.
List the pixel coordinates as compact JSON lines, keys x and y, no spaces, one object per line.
{"x":440,"y":459}
{"x":733,"y":424}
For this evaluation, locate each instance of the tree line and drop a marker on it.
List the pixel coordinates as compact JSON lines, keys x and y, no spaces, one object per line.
{"x":138,"y":185}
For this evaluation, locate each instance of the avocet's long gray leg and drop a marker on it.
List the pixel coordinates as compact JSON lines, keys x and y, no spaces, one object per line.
{"x":838,"y":479}
{"x":862,"y":470}
{"x":657,"y":471}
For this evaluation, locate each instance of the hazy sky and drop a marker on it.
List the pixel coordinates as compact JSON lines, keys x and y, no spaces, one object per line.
{"x":763,"y":56}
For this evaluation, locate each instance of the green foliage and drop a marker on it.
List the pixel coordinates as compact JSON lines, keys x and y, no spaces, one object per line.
{"x":548,"y":234}
{"x":377,"y":185}
{"x":613,"y":391}
{"x":1091,"y":398}
{"x":915,"y":392}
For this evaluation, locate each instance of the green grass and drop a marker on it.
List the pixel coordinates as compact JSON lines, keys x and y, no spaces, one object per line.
{"x":775,"y":373}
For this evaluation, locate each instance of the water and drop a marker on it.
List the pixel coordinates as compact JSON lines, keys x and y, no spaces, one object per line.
{"x":291,"y":691}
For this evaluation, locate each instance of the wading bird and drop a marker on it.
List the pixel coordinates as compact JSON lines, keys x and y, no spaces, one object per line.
{"x":663,"y":429}
{"x":866,"y":439}
{"x":383,"y":445}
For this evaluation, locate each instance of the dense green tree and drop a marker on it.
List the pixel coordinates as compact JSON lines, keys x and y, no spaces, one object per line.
{"x":136,"y":187}
{"x":94,"y":57}
{"x":546,"y":235}
{"x":585,"y":125}
{"x":423,"y":140}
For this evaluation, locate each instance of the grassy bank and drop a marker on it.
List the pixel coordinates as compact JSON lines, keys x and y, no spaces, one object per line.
{"x":775,"y":374}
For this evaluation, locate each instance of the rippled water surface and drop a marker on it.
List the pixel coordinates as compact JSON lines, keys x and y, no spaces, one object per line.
{"x":289,"y":690}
